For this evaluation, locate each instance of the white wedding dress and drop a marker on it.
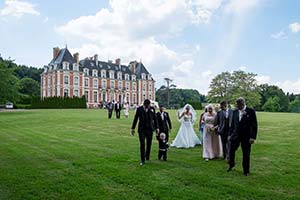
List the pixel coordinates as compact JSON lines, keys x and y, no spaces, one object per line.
{"x":186,"y":136}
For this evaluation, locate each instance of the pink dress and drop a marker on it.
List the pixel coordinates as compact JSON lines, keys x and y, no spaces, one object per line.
{"x":212,"y":145}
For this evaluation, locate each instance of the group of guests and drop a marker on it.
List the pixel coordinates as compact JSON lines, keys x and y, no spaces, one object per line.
{"x":222,"y":132}
{"x":117,"y":107}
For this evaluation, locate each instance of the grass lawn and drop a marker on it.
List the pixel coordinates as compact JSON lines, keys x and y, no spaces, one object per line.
{"x":80,"y":154}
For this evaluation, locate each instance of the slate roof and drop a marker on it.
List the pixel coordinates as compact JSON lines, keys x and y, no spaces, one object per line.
{"x":64,"y":55}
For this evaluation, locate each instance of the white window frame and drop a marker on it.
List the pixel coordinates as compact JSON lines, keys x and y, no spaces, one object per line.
{"x":104,"y":84}
{"x":66,"y":79}
{"x":86,"y":80}
{"x":95,"y":81}
{"x":103,"y":74}
{"x":95,"y":73}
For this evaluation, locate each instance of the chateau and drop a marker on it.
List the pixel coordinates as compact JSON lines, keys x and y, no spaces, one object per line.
{"x":100,"y":82}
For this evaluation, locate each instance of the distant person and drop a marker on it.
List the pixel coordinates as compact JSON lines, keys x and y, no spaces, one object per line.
{"x":126,"y":109}
{"x":162,"y":146}
{"x":164,"y":121}
{"x":147,"y":124}
{"x":201,"y":125}
{"x":118,"y":108}
{"x":186,"y":136}
{"x":243,"y":131}
{"x":110,"y":109}
{"x":223,"y":123}
{"x":212,"y":145}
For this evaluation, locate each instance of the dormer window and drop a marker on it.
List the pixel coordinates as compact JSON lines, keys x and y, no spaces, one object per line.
{"x":112,"y":74}
{"x":55,"y":66}
{"x":120,"y":75}
{"x":149,"y":77}
{"x":133,"y":77}
{"x":86,"y":71}
{"x":143,"y":76}
{"x":65,"y":65}
{"x":103,"y":74}
{"x":95,"y":73}
{"x":75,"y":66}
{"x":127,"y":77}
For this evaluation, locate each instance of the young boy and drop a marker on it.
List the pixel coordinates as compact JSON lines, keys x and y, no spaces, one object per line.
{"x":163,"y":146}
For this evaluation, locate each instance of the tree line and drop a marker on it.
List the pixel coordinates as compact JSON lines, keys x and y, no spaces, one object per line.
{"x":229,"y":86}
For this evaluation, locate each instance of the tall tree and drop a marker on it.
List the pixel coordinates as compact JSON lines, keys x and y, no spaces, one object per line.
{"x":8,"y":83}
{"x":230,"y":86}
{"x":220,"y":87}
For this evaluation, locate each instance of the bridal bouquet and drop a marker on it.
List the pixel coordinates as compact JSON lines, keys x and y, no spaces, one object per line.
{"x":210,"y":129}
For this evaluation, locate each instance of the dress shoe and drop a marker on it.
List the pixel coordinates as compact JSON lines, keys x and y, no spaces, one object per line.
{"x":142,"y":164}
{"x":229,"y":169}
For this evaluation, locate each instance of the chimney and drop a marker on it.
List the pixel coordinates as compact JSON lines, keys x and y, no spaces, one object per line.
{"x":118,"y":61}
{"x":96,"y":59}
{"x":55,"y":52}
{"x":76,"y":57}
{"x":133,"y":66}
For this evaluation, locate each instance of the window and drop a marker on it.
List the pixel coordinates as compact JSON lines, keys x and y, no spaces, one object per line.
{"x":65,"y":65}
{"x":134,"y":98}
{"x":76,"y":93}
{"x":66,"y":79}
{"x":112,"y":84}
{"x":134,"y":86}
{"x":149,"y":77}
{"x":104,"y":96}
{"x":150,"y":87}
{"x":144,"y":97}
{"x":86,"y":71}
{"x":48,"y":83}
{"x":127,"y":85}
{"x":120,"y":85}
{"x":112,"y":96}
{"x":75,"y":67}
{"x":150,"y":97}
{"x":104,"y":84}
{"x":143,"y":76}
{"x":111,"y":74}
{"x":120,"y":75}
{"x":86,"y":82}
{"x":86,"y":94}
{"x":103,"y":74}
{"x":126,"y":77}
{"x":144,"y":86}
{"x":95,"y":97}
{"x":95,"y":73}
{"x":95,"y":83}
{"x":127,"y":98}
{"x":66,"y":92}
{"x":76,"y":80}
{"x":133,"y":77}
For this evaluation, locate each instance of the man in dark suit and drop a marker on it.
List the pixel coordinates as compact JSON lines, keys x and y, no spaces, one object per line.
{"x":223,"y":123}
{"x":243,"y":131}
{"x":147,"y":124}
{"x":110,"y":108}
{"x":118,"y":108}
{"x":164,"y":122}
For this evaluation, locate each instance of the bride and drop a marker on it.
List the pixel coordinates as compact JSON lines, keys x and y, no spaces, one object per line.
{"x":186,"y":136}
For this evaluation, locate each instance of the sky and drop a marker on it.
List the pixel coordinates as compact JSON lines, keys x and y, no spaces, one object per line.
{"x":189,"y":41}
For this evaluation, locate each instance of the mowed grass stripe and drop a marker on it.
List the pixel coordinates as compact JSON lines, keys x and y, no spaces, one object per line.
{"x":80,"y":154}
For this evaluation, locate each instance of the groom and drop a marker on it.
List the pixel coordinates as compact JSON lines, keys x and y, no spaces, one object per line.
{"x":243,"y":131}
{"x":147,"y":124}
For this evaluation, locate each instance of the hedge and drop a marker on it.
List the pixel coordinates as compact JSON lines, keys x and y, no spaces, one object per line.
{"x":58,"y":102}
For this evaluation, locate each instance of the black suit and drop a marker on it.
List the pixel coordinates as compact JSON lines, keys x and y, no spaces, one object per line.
{"x":110,"y":108}
{"x":147,"y":124}
{"x":224,"y":121}
{"x":241,"y":132}
{"x":164,"y":124}
{"x":118,"y":108}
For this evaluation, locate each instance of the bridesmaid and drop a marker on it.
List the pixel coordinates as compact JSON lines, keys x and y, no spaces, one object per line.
{"x":212,"y":146}
{"x":126,"y":110}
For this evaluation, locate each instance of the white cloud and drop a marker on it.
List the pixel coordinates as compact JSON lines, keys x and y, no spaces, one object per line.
{"x":280,"y":35}
{"x":262,"y":79}
{"x":132,"y":29}
{"x":17,"y":8}
{"x":239,"y":7}
{"x":290,"y":86}
{"x":295,"y":27}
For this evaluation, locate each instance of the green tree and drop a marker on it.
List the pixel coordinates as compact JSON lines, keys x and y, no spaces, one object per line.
{"x":230,"y":86}
{"x":267,"y":91}
{"x":8,"y":88}
{"x":272,"y":104}
{"x":28,"y":86}
{"x":220,"y":87}
{"x":294,"y":106}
